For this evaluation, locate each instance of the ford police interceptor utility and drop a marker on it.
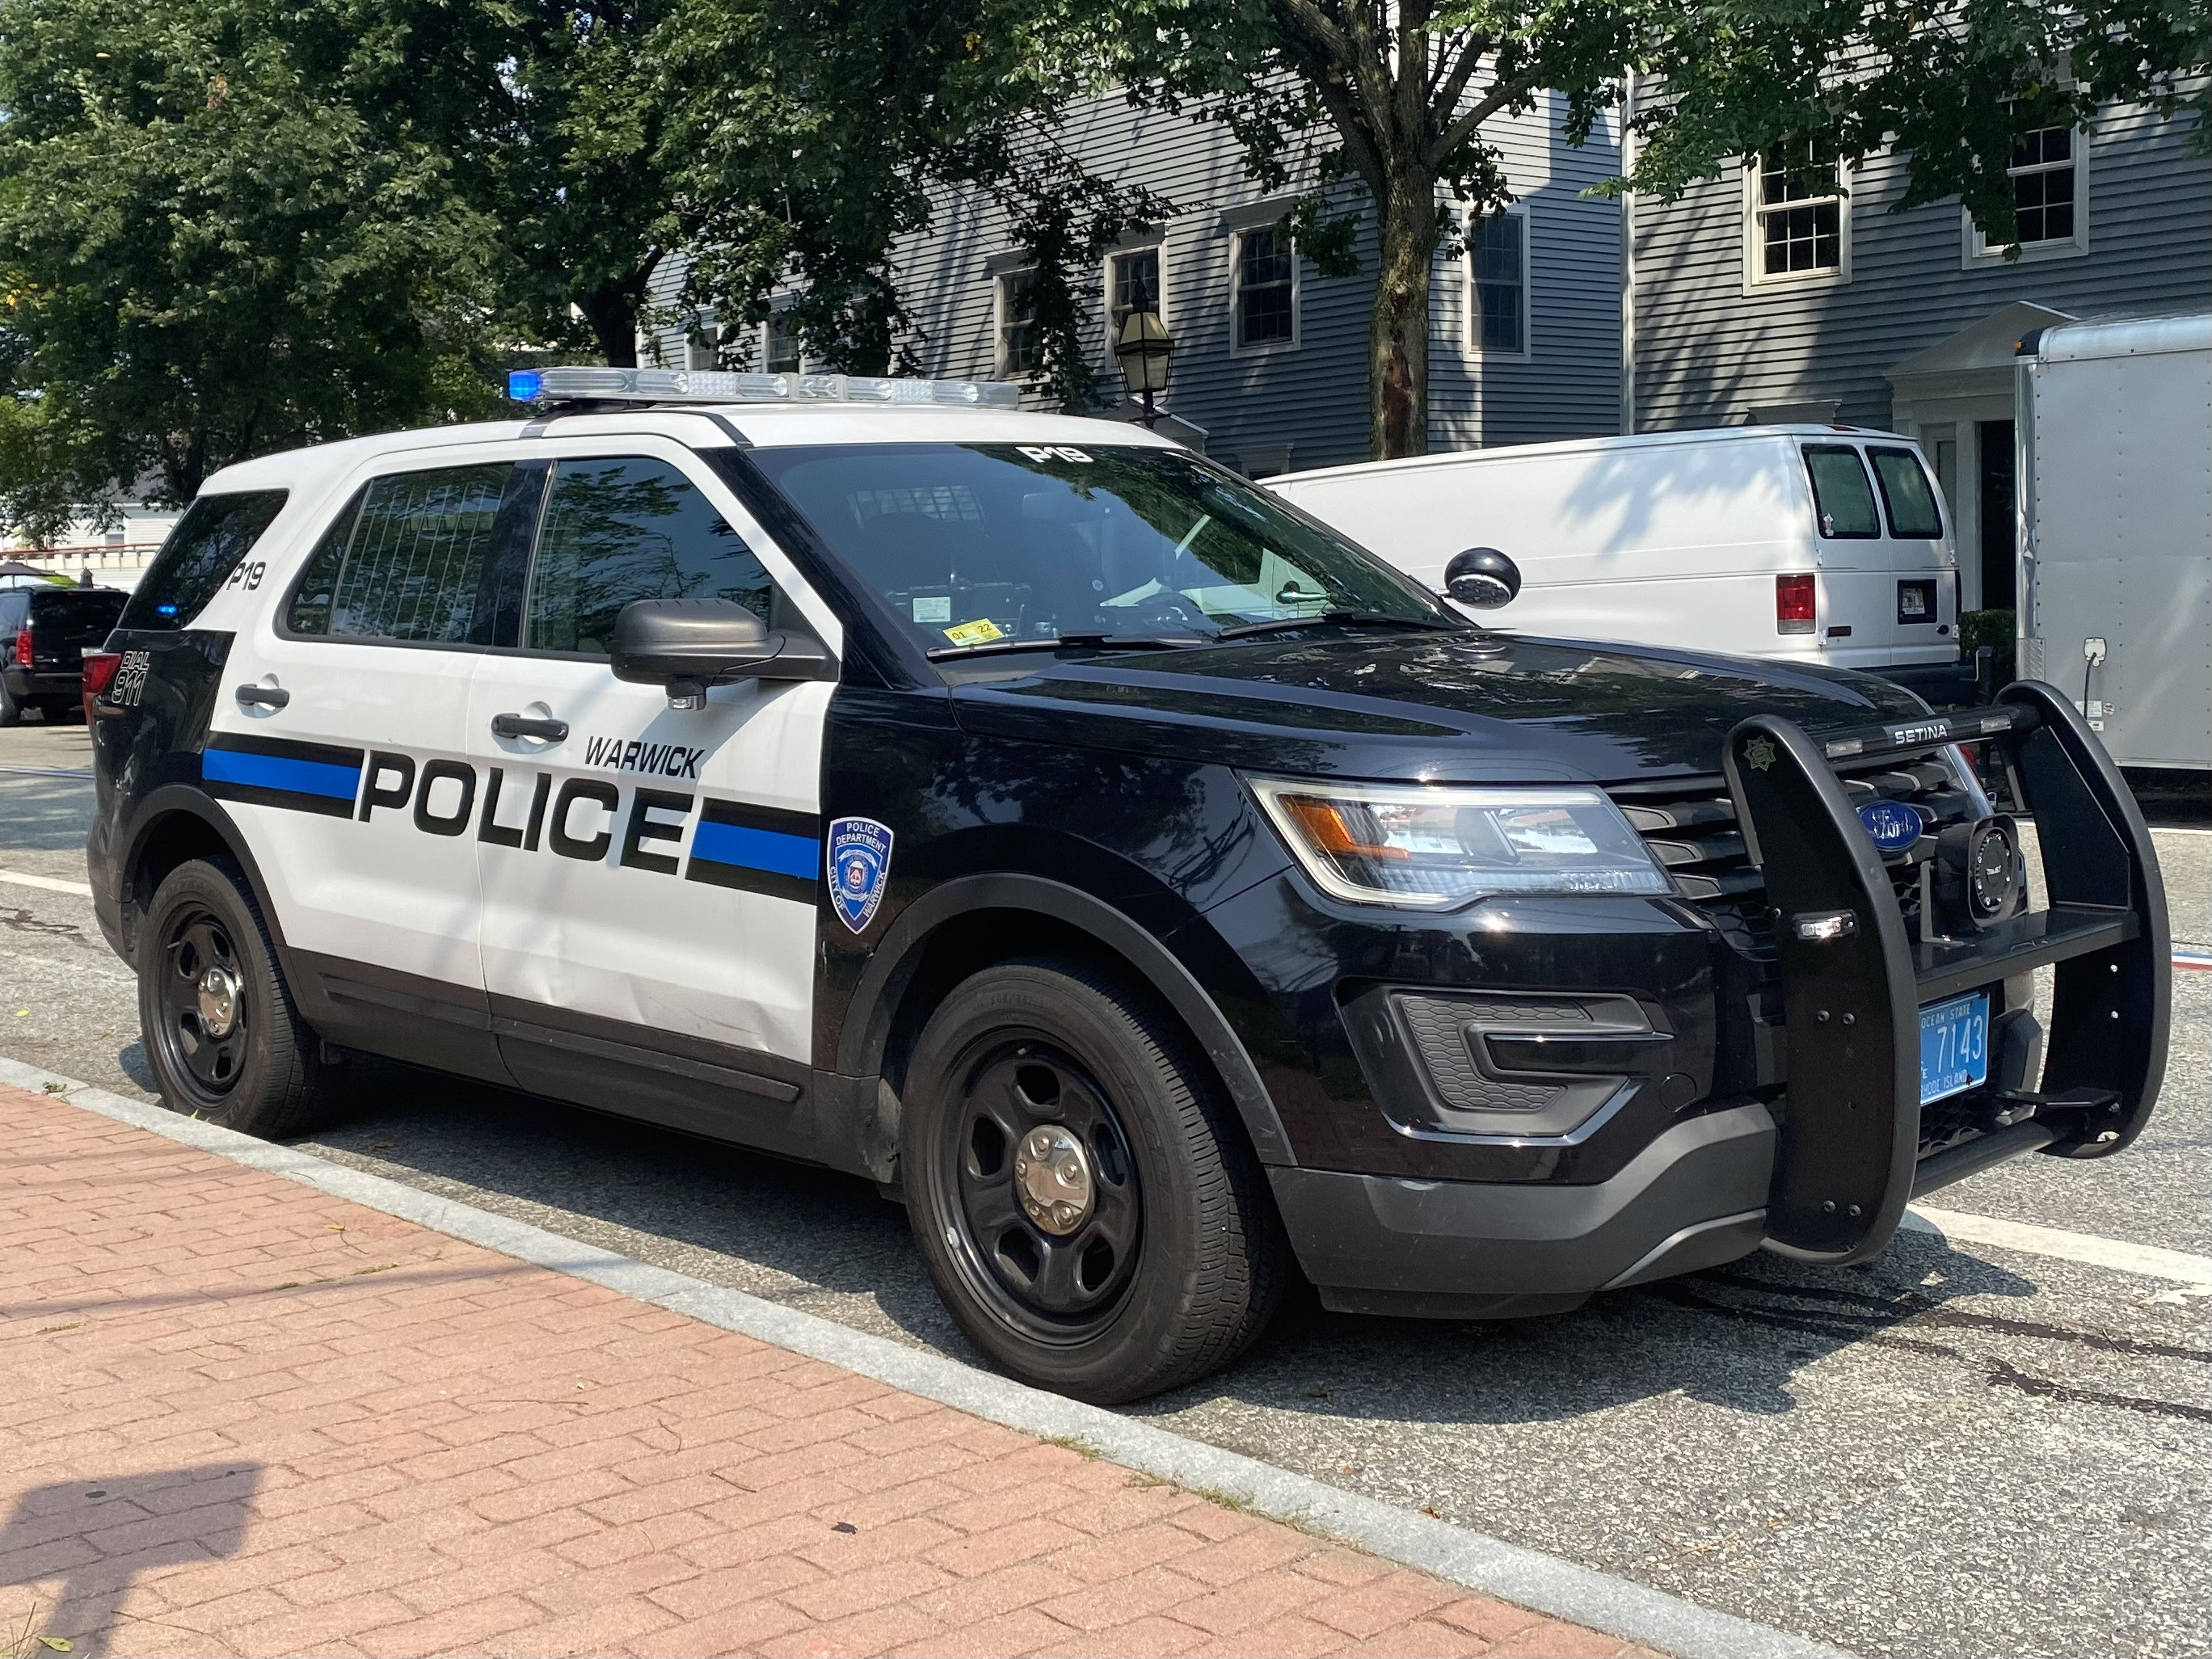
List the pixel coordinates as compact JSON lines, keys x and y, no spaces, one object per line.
{"x":1161,"y":896}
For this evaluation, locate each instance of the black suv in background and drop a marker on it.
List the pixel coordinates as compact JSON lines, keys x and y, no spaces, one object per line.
{"x":44,"y":635}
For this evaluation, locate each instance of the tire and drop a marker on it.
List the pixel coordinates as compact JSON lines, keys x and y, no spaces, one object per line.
{"x":11,"y":711}
{"x":1160,"y":1263}
{"x":204,"y":953}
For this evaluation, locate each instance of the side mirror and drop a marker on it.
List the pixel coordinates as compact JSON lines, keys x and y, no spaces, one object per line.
{"x":1481,"y":577}
{"x":687,"y":645}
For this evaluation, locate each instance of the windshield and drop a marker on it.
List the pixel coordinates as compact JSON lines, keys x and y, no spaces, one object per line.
{"x":979,"y":546}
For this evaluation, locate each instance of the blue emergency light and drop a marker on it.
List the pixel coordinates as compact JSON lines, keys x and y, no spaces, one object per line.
{"x":525,"y":385}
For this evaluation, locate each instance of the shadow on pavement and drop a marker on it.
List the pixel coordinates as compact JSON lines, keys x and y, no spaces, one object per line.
{"x":96,"y":1536}
{"x":1734,"y":1337}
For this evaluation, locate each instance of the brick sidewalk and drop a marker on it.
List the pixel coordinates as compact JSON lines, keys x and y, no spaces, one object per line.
{"x":245,"y":1417}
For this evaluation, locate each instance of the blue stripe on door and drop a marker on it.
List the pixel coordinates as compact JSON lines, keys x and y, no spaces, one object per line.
{"x":275,"y":772}
{"x":798,"y":856}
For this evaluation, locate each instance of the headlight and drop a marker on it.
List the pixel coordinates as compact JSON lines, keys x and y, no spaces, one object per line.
{"x":1437,"y":848}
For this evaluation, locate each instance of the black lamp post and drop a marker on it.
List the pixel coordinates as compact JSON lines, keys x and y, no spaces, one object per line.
{"x":1142,"y":347}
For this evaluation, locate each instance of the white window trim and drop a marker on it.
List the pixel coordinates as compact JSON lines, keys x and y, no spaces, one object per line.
{"x":1755,"y":278}
{"x":1156,"y":246}
{"x":1471,"y":318}
{"x":1264,"y":348}
{"x":1000,"y":368}
{"x":1975,"y":253}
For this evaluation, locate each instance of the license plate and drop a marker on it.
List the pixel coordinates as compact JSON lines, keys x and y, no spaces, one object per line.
{"x":1954,"y":1046}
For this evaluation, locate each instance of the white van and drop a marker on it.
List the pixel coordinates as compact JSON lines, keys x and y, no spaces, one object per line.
{"x":1822,"y":543}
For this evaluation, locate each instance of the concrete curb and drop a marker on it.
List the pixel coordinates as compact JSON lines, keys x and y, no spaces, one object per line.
{"x":1531,"y":1579}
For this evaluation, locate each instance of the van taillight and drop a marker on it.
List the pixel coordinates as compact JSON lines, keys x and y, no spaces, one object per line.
{"x":1793,"y":604}
{"x":23,"y":648}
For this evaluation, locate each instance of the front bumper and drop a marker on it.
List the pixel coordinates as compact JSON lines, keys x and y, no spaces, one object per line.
{"x":1538,"y":1217}
{"x":1694,"y":1197}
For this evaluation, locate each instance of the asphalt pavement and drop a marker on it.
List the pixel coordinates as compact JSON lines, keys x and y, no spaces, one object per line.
{"x":1948,"y":1450}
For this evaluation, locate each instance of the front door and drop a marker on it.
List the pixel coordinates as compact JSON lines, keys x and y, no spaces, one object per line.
{"x":337,"y":744}
{"x":650,"y":874}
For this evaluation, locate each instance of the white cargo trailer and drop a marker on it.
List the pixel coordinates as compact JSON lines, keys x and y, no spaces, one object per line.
{"x":2114,"y":429}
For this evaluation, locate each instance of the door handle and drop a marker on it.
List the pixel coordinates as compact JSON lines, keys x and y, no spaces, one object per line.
{"x":521,"y":725}
{"x":262,"y":697}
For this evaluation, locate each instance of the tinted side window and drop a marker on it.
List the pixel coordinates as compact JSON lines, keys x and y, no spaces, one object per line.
{"x":1842,"y":499}
{"x":623,"y":528}
{"x":1905,"y":491}
{"x":198,"y":556}
{"x":425,"y":558}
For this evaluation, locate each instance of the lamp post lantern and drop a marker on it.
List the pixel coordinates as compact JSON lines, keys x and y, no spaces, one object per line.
{"x":1142,"y":347}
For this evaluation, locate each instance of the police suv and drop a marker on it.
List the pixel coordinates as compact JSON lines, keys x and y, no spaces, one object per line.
{"x":1161,"y":896}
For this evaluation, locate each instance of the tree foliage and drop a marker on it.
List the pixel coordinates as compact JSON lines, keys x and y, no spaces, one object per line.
{"x":215,"y":240}
{"x":1391,"y":97}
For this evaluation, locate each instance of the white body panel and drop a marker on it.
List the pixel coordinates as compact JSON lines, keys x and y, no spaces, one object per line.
{"x":641,"y":944}
{"x":2114,"y":425}
{"x":1671,"y":539}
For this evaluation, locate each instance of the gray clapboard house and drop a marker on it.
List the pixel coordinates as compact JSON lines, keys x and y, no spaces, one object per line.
{"x":1270,"y":362}
{"x":1791,"y":291}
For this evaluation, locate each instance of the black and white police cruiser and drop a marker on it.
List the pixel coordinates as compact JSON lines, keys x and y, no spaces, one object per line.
{"x":1161,"y":896}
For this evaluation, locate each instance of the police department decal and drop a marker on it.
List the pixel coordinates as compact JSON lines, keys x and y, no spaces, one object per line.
{"x":860,"y":864}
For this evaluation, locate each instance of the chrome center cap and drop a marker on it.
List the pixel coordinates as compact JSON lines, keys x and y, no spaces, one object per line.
{"x":1052,"y":1177}
{"x":218,"y":999}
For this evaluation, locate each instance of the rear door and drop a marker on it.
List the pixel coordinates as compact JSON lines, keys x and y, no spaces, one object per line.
{"x":650,"y":874}
{"x":337,"y":742}
{"x":1855,"y":623}
{"x":1925,"y":621}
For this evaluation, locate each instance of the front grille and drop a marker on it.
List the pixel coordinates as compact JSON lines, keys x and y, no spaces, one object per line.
{"x":1690,"y":826}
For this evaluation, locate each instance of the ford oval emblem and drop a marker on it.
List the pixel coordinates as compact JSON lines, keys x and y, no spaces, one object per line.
{"x":1892,"y":825}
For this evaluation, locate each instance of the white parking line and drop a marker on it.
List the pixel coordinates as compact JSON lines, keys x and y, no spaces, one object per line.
{"x":76,"y":774}
{"x":51,"y":884}
{"x":2147,"y":1260}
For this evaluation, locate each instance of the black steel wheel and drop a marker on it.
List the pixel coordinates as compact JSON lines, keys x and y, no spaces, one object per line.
{"x":222,"y":1036}
{"x":1052,"y":1211}
{"x":1087,"y":1206}
{"x":204,"y":1015}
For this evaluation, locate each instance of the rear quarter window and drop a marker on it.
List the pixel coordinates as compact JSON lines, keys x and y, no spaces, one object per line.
{"x":214,"y":534}
{"x":1843,"y":500}
{"x":1913,"y":515}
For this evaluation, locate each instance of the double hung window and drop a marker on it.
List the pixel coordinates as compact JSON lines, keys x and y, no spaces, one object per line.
{"x":2049,"y":209}
{"x":1497,"y":284}
{"x":1017,"y":352}
{"x":1132,"y":284}
{"x":1264,"y":267}
{"x":1798,"y":226}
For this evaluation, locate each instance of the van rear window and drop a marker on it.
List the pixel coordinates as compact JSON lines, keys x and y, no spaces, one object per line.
{"x":1843,"y":500}
{"x":201,"y":552}
{"x":1912,"y":512}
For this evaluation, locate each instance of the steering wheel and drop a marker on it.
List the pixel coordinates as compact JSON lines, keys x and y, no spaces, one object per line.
{"x":1167,"y":605}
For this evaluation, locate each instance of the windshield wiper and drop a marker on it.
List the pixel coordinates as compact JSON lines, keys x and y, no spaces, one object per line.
{"x":1344,"y":618}
{"x":1081,"y":642}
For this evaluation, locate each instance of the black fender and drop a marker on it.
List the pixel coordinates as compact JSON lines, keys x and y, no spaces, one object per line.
{"x":166,"y":801}
{"x":866,"y":1033}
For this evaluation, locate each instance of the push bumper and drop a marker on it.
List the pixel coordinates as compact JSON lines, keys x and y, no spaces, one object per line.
{"x":1694,"y":1197}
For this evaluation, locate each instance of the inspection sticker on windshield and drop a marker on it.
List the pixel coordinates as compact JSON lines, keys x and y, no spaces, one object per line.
{"x":860,"y":864}
{"x":982,"y":631}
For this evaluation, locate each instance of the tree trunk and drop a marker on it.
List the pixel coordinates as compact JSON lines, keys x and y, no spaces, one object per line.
{"x":611,"y":314}
{"x":1398,"y":330}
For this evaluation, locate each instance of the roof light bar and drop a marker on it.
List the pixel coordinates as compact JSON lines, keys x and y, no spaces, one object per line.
{"x":715,"y":385}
